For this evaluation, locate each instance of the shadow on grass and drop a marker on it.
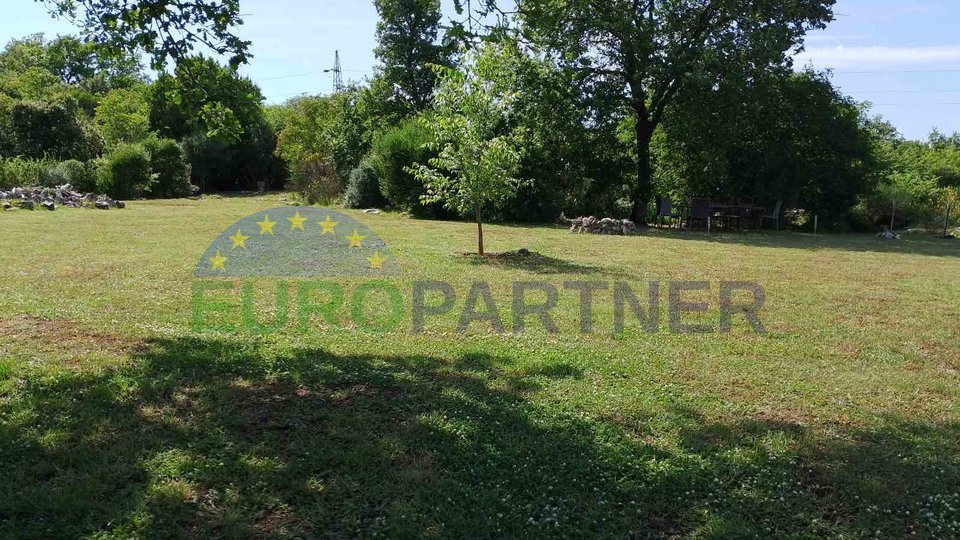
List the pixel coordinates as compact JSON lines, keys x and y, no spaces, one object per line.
{"x":910,"y":244}
{"x":540,"y":264}
{"x":208,"y":437}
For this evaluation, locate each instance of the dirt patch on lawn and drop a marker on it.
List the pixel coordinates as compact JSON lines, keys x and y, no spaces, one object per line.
{"x":60,"y":335}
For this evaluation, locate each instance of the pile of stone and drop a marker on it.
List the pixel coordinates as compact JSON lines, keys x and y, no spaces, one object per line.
{"x":30,"y":198}
{"x":592,"y":225}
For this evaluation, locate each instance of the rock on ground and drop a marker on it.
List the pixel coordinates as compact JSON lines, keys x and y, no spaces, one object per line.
{"x":29,"y":198}
{"x":593,"y":225}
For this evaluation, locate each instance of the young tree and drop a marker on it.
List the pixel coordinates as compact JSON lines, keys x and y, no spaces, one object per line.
{"x":478,"y":157}
{"x":407,"y":46}
{"x":646,"y":49}
{"x":896,"y":195}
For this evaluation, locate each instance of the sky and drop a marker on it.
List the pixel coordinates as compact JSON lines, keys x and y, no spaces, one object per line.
{"x":903,"y":56}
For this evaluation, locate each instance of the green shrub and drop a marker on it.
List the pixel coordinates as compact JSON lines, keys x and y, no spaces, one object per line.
{"x":916,"y":197}
{"x":54,"y":176}
{"x":392,"y":154}
{"x":82,"y":175}
{"x":56,"y":129}
{"x":126,"y":173}
{"x":19,"y":172}
{"x":315,"y":181}
{"x":363,"y":188}
{"x":169,"y":164}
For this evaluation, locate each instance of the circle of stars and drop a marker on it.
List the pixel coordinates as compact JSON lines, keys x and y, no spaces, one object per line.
{"x":297,"y":222}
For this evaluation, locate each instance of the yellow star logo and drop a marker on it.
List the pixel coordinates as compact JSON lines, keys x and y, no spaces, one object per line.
{"x":296,"y":222}
{"x":328,"y":226}
{"x":356,"y":240}
{"x":376,"y":262}
{"x":239,"y":240}
{"x":266,"y":226}
{"x":218,"y":262}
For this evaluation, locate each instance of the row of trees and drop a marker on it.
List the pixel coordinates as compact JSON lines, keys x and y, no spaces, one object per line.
{"x":65,"y":101}
{"x":581,"y":109}
{"x":573,"y":106}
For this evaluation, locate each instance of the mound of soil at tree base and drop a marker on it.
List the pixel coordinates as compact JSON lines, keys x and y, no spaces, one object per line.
{"x":519,"y":254}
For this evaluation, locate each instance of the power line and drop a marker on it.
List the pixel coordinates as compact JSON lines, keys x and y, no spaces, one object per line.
{"x":881,"y":72}
{"x":917,"y":103}
{"x":902,"y":91}
{"x":309,"y":73}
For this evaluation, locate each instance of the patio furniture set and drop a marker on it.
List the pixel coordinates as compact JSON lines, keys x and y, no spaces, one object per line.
{"x":707,"y":214}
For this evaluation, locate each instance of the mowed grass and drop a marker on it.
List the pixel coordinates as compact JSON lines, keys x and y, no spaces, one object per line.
{"x":117,"y":420}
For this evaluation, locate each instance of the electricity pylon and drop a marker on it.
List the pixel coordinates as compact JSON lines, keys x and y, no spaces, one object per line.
{"x":337,"y":74}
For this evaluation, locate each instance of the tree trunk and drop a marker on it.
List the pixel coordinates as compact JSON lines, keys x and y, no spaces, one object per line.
{"x":642,"y":192}
{"x":946,"y":218}
{"x":479,"y":233}
{"x":893,"y":216}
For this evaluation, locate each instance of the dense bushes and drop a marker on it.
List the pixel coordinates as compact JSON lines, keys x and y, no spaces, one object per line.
{"x":392,"y":155}
{"x":16,"y":172}
{"x":240,"y":165}
{"x":170,"y":170}
{"x":127,"y":172}
{"x":54,"y":130}
{"x":363,"y":188}
{"x":155,"y":169}
{"x":82,"y":175}
{"x":20,"y":172}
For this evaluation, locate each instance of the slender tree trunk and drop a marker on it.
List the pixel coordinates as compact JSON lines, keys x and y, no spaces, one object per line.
{"x":946,"y":218}
{"x":479,"y":233}
{"x":893,"y":216}
{"x":644,"y":187}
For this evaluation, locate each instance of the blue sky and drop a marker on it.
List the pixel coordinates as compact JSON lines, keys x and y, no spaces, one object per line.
{"x":901,"y":55}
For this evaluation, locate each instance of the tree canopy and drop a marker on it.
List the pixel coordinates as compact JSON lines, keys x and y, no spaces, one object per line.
{"x":647,"y":50}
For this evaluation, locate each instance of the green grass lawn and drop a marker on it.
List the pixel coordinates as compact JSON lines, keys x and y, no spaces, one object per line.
{"x":118,"y":421}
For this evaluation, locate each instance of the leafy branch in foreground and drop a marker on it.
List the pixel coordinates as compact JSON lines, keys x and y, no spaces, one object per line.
{"x":164,"y":29}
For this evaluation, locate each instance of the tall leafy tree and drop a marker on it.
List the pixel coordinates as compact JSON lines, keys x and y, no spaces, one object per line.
{"x":407,"y":45}
{"x":646,"y":50}
{"x":204,"y":96}
{"x":123,"y":116}
{"x":785,"y":136}
{"x":165,"y":30}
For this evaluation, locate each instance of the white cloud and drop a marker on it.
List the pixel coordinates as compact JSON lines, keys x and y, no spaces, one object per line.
{"x":870,"y":57}
{"x":825,"y":38}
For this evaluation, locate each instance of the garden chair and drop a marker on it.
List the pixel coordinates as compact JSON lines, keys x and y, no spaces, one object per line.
{"x":665,"y":209}
{"x":774,"y":217}
{"x":699,"y":212}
